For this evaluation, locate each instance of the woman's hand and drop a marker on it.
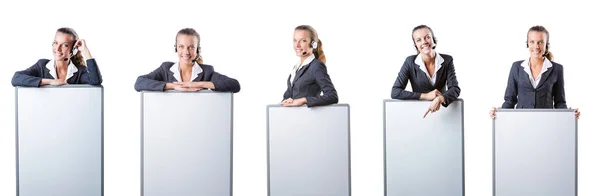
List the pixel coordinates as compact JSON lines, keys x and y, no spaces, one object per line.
{"x":493,"y":112}
{"x":295,"y":102}
{"x":435,"y":105}
{"x":82,"y":47}
{"x":179,"y":87}
{"x":200,"y":85}
{"x":430,"y":95}
{"x":53,"y":82}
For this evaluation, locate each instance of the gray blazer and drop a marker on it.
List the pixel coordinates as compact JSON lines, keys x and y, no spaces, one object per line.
{"x":550,"y":92}
{"x":32,"y":76}
{"x":157,"y":79}
{"x":309,"y":82}
{"x":445,"y":77}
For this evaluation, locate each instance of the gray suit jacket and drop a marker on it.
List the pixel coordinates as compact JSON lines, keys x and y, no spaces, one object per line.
{"x":309,"y":82}
{"x":32,"y":76}
{"x":420,"y":83}
{"x":157,"y":79}
{"x":550,"y":92}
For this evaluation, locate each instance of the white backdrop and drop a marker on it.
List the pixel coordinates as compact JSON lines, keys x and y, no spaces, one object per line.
{"x":365,"y":42}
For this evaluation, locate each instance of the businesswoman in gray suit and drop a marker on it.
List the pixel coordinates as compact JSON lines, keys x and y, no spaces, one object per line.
{"x":536,"y":82}
{"x":430,"y":73}
{"x":189,"y":74}
{"x":67,"y":67}
{"x":309,"y":77}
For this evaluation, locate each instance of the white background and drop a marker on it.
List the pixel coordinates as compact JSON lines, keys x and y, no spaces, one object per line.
{"x":365,"y":43}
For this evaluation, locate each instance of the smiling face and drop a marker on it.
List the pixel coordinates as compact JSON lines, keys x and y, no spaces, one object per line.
{"x":186,"y":45}
{"x":536,"y":43}
{"x":302,"y":40}
{"x":423,"y":40}
{"x":62,"y":45}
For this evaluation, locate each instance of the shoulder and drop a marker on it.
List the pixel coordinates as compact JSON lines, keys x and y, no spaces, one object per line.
{"x":81,"y":68}
{"x":42,"y":62}
{"x":410,"y":59}
{"x":556,"y":65}
{"x":517,"y":64}
{"x":207,"y":68}
{"x":446,"y":57}
{"x":316,"y":64}
{"x":167,"y":64}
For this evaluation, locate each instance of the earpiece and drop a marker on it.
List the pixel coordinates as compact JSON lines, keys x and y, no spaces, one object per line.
{"x":314,"y":44}
{"x":74,"y":51}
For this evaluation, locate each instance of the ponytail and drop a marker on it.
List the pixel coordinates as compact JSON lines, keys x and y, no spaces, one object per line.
{"x":549,"y":55}
{"x":319,"y":52}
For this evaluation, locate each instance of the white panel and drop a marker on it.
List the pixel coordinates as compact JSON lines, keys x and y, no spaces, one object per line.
{"x":59,"y":140}
{"x":424,"y":156}
{"x":535,"y":152}
{"x":309,"y":150}
{"x":187,"y":143}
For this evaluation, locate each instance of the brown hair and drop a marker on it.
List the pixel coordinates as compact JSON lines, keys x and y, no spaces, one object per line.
{"x":547,"y":54}
{"x":192,"y":32}
{"x":78,"y":58}
{"x":314,"y":37}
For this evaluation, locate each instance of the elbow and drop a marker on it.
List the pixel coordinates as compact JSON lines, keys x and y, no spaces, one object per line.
{"x":138,"y":84}
{"x":235,"y":86}
{"x":96,"y":82}
{"x":15,"y":80}
{"x":334,"y":98}
{"x":395,"y":94}
{"x":457,"y":91}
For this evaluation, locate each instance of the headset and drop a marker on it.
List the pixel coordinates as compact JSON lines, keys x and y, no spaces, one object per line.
{"x":74,"y":51}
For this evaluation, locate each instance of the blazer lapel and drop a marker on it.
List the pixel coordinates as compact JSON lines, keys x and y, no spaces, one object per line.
{"x":300,"y":72}
{"x":545,"y":76}
{"x":438,"y":75}
{"x":426,"y":80}
{"x":73,"y":78}
{"x":524,"y":77}
{"x":47,"y":73}
{"x":170,"y":76}
{"x":199,"y":78}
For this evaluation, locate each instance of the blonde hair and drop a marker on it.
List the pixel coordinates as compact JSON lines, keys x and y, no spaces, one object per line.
{"x":319,"y":54}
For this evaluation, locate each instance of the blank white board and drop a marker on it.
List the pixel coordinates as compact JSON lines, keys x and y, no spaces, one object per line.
{"x":535,"y":152}
{"x":59,"y":140}
{"x":423,"y":156}
{"x":187,"y":143}
{"x":308,"y":150}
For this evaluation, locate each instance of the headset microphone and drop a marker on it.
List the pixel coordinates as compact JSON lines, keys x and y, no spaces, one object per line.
{"x":304,"y":53}
{"x":74,"y":51}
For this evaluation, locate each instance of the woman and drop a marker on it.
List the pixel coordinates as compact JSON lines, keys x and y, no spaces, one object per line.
{"x":309,"y":82}
{"x":429,"y":73}
{"x":67,"y":67}
{"x":189,"y":74}
{"x":536,"y":82}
